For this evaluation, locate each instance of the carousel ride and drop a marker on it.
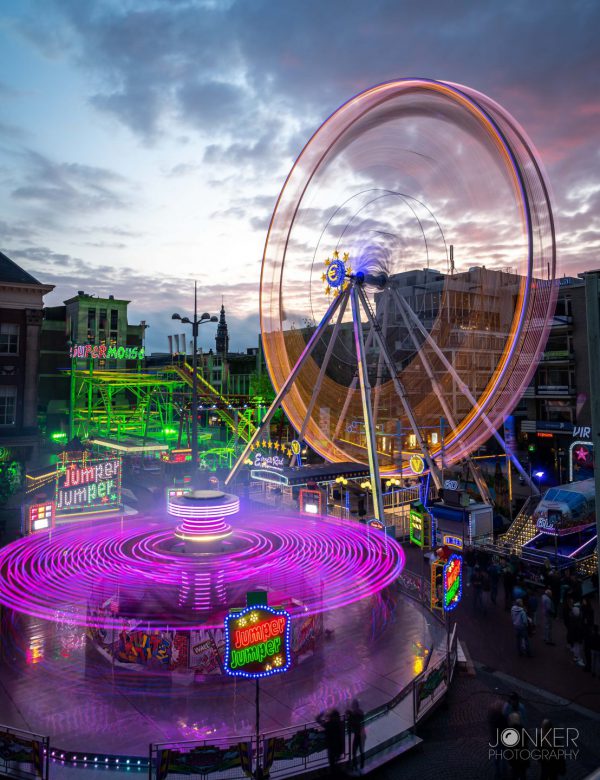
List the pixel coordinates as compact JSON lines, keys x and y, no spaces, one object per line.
{"x":379,"y":345}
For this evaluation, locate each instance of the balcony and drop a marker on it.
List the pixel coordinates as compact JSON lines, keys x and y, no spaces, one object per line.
{"x":561,"y":320}
{"x":554,"y":390}
{"x":557,"y":355}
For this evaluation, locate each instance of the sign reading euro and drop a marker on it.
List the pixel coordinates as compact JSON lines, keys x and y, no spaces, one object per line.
{"x":257,"y":642}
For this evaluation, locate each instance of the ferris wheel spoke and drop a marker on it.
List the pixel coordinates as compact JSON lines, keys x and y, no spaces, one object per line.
{"x":380,"y":361}
{"x":399,"y":388}
{"x":325,"y":363}
{"x":365,"y":392}
{"x":287,"y":385}
{"x":462,"y":386}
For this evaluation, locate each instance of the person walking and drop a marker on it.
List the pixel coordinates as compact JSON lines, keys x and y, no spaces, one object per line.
{"x":334,"y":737}
{"x":477,"y":583}
{"x":355,"y":719}
{"x":520,"y":623}
{"x":494,"y":578}
{"x":548,"y":615}
{"x":552,"y":765}
{"x":508,"y":580}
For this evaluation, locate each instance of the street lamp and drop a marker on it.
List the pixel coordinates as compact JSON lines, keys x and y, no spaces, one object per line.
{"x":195,"y":323}
{"x":539,"y":475}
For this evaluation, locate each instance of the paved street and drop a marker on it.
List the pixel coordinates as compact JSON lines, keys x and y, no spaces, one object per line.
{"x":550,"y":685}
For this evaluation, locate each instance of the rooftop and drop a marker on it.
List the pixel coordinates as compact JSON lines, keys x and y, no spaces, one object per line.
{"x":13,"y":274}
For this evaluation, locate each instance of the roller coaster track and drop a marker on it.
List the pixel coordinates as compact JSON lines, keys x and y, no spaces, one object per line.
{"x":244,"y":427}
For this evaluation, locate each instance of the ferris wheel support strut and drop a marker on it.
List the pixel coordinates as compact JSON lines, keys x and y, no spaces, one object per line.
{"x":479,"y":481}
{"x":323,"y":369}
{"x":431,"y":464}
{"x":365,"y":393}
{"x":350,"y":391}
{"x":465,"y":390}
{"x":286,"y":386}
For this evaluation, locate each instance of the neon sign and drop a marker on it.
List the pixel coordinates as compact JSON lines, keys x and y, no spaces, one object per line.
{"x":268,"y":461}
{"x":417,"y":464}
{"x":452,"y":577}
{"x":257,"y":642}
{"x":416,"y":527}
{"x":103,"y":352}
{"x":85,"y":485}
{"x":40,"y":517}
{"x":452,"y":541}
{"x":310,"y":502}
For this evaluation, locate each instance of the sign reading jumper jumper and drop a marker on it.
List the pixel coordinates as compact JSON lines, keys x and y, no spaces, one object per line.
{"x":257,"y":642}
{"x":88,"y":484}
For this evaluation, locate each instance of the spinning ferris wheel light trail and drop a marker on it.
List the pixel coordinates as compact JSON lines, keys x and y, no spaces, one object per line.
{"x":399,"y":338}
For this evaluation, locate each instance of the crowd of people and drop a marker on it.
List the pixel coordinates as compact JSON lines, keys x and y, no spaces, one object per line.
{"x":557,"y":595}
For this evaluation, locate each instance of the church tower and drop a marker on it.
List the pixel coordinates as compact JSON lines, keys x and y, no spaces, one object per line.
{"x":222,"y":337}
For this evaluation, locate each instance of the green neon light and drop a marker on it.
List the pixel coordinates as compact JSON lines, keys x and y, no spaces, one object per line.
{"x":416,"y":520}
{"x":59,"y":436}
{"x":255,"y":654}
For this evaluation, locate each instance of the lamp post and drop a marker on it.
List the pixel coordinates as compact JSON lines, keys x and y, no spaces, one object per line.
{"x":195,"y":323}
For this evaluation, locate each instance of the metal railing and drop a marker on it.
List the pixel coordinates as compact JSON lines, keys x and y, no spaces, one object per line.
{"x":23,"y":754}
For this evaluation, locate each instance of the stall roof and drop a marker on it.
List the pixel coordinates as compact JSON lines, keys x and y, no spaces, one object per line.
{"x":303,"y":475}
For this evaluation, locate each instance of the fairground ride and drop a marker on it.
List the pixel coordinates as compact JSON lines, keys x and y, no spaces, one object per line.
{"x":407,"y":352}
{"x":156,"y":406}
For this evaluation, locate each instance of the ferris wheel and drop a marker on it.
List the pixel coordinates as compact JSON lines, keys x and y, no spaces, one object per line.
{"x":407,"y":281}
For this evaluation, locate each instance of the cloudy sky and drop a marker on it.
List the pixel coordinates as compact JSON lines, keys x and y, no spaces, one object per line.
{"x":143,"y":143}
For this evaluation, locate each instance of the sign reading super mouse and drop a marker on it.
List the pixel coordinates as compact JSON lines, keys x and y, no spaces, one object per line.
{"x":257,"y":642}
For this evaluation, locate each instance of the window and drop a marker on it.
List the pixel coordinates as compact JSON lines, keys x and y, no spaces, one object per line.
{"x":91,"y":324}
{"x":9,"y":339}
{"x":102,"y":319}
{"x":114,"y":319}
{"x":8,"y":405}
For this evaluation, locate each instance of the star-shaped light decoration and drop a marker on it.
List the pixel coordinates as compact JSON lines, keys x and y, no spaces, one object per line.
{"x":581,"y":454}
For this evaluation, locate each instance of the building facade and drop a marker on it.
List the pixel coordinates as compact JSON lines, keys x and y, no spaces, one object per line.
{"x":21,"y":303}
{"x":85,"y":323}
{"x":555,"y":412}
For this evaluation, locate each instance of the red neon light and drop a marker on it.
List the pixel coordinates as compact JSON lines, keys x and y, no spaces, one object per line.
{"x":242,"y":637}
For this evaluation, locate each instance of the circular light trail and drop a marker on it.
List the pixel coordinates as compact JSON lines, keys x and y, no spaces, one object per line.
{"x":323,"y":564}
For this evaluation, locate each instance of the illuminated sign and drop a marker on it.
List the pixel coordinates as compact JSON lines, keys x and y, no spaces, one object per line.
{"x":416,"y":527}
{"x":104,"y":352}
{"x":452,"y":577}
{"x":417,"y":464}
{"x":87,"y":484}
{"x":257,"y":642}
{"x":452,"y":541}
{"x":40,"y":517}
{"x":310,"y":502}
{"x":451,"y":484}
{"x":268,"y":461}
{"x":177,"y":456}
{"x":377,"y":524}
{"x":295,"y":447}
{"x":277,"y":457}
